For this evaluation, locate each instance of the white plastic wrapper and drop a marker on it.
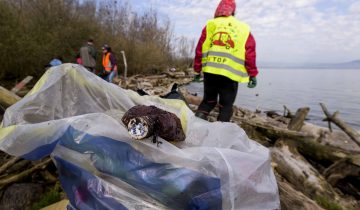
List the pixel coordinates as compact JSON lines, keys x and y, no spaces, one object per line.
{"x":75,"y":116}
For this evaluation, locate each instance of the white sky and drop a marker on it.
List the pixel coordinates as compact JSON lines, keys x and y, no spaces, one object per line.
{"x":288,"y":31}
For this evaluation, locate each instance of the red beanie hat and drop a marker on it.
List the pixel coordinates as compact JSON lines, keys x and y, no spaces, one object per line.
{"x":225,"y":8}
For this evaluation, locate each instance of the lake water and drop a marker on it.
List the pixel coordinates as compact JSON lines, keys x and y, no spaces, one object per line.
{"x":339,"y":90}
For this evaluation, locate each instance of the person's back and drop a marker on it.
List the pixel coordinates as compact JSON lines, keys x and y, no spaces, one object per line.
{"x":88,"y":56}
{"x":225,"y":48}
{"x":226,"y":55}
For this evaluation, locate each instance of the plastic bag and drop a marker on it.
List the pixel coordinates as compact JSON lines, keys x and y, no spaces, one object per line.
{"x":75,"y":116}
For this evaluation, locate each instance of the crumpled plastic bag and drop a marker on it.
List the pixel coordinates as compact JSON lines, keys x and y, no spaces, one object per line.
{"x":75,"y":116}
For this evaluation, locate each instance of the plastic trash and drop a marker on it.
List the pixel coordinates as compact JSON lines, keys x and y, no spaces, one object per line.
{"x":75,"y":116}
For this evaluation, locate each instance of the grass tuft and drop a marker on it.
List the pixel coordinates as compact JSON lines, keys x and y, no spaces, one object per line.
{"x":327,"y":204}
{"x":50,"y":197}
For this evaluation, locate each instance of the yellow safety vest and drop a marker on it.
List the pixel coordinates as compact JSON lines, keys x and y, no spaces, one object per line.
{"x":224,"y":48}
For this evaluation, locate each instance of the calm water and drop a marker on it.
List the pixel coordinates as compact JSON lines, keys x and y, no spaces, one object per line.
{"x":295,"y":88}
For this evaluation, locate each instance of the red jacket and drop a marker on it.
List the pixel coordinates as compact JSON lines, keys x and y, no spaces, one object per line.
{"x":250,"y":54}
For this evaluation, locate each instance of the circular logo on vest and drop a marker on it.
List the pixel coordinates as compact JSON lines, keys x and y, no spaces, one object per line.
{"x":223,"y":39}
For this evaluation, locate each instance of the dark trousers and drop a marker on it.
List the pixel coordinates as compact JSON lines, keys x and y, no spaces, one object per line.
{"x":214,"y":86}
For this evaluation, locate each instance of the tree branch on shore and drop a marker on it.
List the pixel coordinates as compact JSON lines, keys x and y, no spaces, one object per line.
{"x":17,"y":177}
{"x":354,"y":135}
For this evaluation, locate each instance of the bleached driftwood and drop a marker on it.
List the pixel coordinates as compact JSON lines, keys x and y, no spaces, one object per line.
{"x":293,"y":199}
{"x":7,"y":98}
{"x":297,"y":121}
{"x":354,"y":135}
{"x":292,"y":166}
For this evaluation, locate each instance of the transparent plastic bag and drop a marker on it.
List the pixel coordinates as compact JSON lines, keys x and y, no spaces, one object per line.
{"x":75,"y":116}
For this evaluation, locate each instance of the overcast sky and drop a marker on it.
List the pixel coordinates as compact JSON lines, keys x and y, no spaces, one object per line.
{"x":290,"y":31}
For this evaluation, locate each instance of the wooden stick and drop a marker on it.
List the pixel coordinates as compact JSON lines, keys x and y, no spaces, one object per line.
{"x":48,"y":176}
{"x":7,"y":98}
{"x":8,"y":164}
{"x":289,"y":113}
{"x":21,"y":84}
{"x":354,"y":135}
{"x":20,"y":176}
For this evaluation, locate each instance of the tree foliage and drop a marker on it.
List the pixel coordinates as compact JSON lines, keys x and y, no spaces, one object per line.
{"x":33,"y":32}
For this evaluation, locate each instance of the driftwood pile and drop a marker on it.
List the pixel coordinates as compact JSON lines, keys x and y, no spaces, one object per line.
{"x":155,"y":84}
{"x":316,"y":167}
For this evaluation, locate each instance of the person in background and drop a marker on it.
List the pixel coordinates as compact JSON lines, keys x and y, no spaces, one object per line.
{"x":226,"y":55}
{"x":88,"y":55}
{"x":109,"y":64}
{"x":78,"y":59}
{"x":56,"y":61}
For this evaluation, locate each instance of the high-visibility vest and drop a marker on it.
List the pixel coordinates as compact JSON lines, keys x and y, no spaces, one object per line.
{"x":106,"y":62}
{"x":223,"y":51}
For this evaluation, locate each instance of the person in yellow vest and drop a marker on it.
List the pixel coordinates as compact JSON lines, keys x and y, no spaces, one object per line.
{"x":226,"y":55}
{"x":109,"y":64}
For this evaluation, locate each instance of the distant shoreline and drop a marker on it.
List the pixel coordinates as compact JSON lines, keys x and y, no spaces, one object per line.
{"x":355,"y":65}
{"x":309,"y":67}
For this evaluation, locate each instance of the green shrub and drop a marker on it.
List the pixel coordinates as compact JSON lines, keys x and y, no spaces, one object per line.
{"x":34,"y":32}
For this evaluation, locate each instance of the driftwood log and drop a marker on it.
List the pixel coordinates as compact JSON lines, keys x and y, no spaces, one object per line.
{"x":8,"y":164}
{"x":297,"y":121}
{"x":354,"y":135}
{"x":19,"y":176}
{"x":292,"y":198}
{"x":339,"y":173}
{"x":307,"y":166}
{"x":7,"y":98}
{"x":21,"y":84}
{"x":295,"y":168}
